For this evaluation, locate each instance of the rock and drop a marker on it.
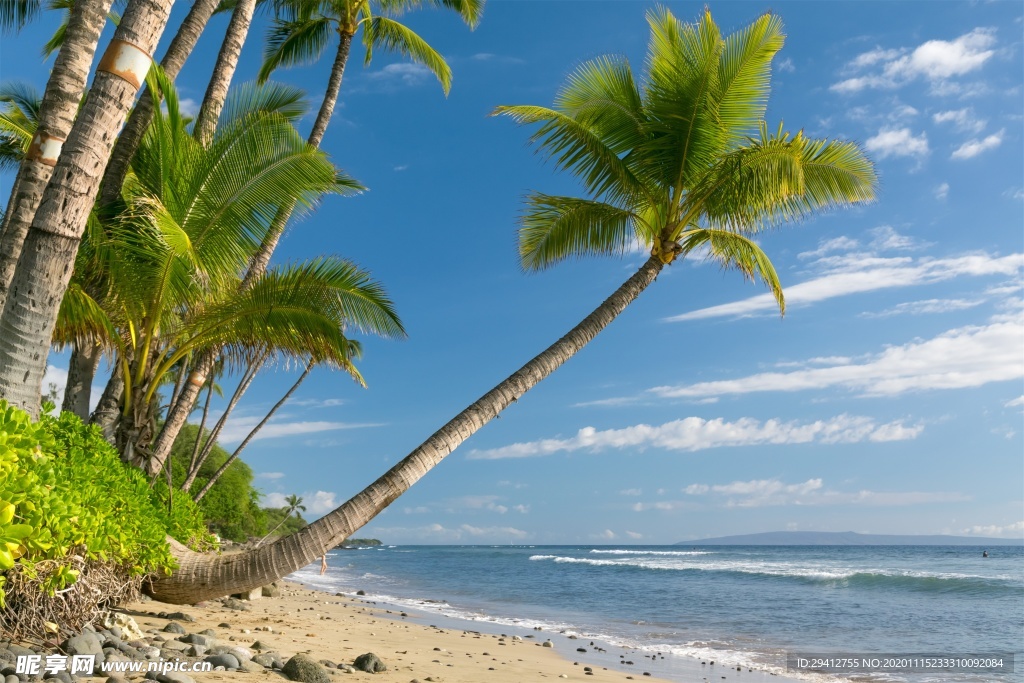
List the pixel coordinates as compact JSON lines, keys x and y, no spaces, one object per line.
{"x":208,"y":632}
{"x":547,"y":643}
{"x":270,"y":661}
{"x":225,"y":660}
{"x":328,"y":663}
{"x":360,"y":592}
{"x":199,"y":639}
{"x":254,"y":594}
{"x":121,"y":625}
{"x":224,"y":624}
{"x":370,"y":663}
{"x":346,"y":668}
{"x":234,"y":603}
{"x":242,"y":654}
{"x":180,"y":616}
{"x":251,"y":667}
{"x":88,"y":643}
{"x":263,"y":645}
{"x":305,"y":669}
{"x":174,"y":677}
{"x":62,"y":676}
{"x":197,"y":651}
{"x":271,"y":592}
{"x":176,"y":646}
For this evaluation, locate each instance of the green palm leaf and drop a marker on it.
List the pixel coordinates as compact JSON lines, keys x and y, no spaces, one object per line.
{"x":556,"y":228}
{"x":382,"y":33}
{"x":736,"y":252}
{"x":290,"y":43}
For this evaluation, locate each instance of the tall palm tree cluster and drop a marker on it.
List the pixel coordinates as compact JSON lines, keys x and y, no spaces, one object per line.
{"x":170,"y":244}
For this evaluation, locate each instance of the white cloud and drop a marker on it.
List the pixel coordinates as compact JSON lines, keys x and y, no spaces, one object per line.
{"x":963,"y":357}
{"x":694,"y":434}
{"x":926,"y":306}
{"x":1019,"y":401}
{"x":237,"y":428}
{"x":605,"y":402}
{"x":841,"y":243}
{"x":786,"y":65}
{"x":886,"y":238}
{"x":934,"y":60}
{"x":973,"y":148}
{"x":319,"y":502}
{"x":402,"y":167}
{"x":270,"y":475}
{"x":401,"y":73}
{"x":274,"y":500}
{"x":897,"y":142}
{"x":964,"y":119}
{"x":942,"y":191}
{"x":773,"y":492}
{"x":634,"y":535}
{"x":606,"y":535}
{"x":1014,"y":530}
{"x":858,"y":273}
{"x":188,"y":107}
{"x":316,"y":402}
{"x":631,"y":492}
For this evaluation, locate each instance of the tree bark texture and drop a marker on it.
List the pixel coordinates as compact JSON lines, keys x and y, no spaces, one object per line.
{"x":178,"y":51}
{"x":223,"y":71}
{"x":202,"y":577}
{"x":48,"y":255}
{"x":81,"y":371}
{"x":57,"y":113}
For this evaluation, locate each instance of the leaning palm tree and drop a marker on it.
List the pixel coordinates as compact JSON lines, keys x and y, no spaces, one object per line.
{"x":301,"y":33}
{"x":682,"y":163}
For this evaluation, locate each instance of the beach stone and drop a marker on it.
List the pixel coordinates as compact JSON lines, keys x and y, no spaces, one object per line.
{"x":242,"y":654}
{"x":62,"y":676}
{"x":547,"y":643}
{"x":225,"y":660}
{"x":199,"y":639}
{"x":121,"y":626}
{"x":175,"y":677}
{"x":11,"y":678}
{"x":116,"y":677}
{"x":370,"y":663}
{"x":179,"y":616}
{"x":223,"y":624}
{"x":176,"y":646}
{"x":88,"y":643}
{"x":271,"y":592}
{"x":251,"y":667}
{"x":236,"y":604}
{"x":208,"y":632}
{"x":262,"y":645}
{"x":346,"y":668}
{"x":197,"y":651}
{"x":305,"y":669}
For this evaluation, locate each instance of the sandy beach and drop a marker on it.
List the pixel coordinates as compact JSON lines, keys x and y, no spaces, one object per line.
{"x":339,"y":628}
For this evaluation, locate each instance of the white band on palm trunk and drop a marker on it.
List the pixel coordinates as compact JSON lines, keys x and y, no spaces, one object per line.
{"x":127,"y":61}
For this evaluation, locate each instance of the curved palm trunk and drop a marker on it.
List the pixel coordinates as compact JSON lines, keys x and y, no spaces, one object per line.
{"x":177,"y":52}
{"x":224,"y":71}
{"x":48,"y":255}
{"x":201,"y":577}
{"x":81,"y":371}
{"x":108,"y":410}
{"x":57,"y":113}
{"x":178,"y":413}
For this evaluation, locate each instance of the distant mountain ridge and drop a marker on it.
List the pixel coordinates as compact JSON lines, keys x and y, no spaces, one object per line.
{"x":847,"y":538}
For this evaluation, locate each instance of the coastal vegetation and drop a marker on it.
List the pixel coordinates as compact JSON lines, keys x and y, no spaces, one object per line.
{"x":160,"y":262}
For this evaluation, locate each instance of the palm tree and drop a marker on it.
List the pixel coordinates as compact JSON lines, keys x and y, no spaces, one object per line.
{"x":294,"y":503}
{"x":47,"y":255}
{"x":193,"y":217}
{"x":55,"y":117}
{"x":681,"y":162}
{"x":300,"y":34}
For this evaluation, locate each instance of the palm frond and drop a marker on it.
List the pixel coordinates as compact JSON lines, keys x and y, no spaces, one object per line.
{"x":733,"y":251}
{"x":387,"y":34}
{"x":683,"y":135}
{"x":471,"y":11}
{"x":556,"y":228}
{"x":254,"y":96}
{"x":745,"y":75}
{"x":81,"y":320}
{"x":578,"y":149}
{"x":294,"y":42}
{"x":14,"y":14}
{"x":602,"y":95}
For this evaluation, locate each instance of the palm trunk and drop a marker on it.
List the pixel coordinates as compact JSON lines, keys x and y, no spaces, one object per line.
{"x":201,"y":577}
{"x":199,"y":434}
{"x":57,"y":114}
{"x":178,"y":413}
{"x":177,"y":52}
{"x":108,"y":410}
{"x":81,"y":371}
{"x":245,"y":442}
{"x":48,"y":255}
{"x":223,"y":71}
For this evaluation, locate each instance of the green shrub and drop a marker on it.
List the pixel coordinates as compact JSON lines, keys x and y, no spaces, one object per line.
{"x":66,"y":495}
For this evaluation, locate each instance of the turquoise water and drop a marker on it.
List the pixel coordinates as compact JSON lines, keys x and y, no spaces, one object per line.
{"x":740,"y":605}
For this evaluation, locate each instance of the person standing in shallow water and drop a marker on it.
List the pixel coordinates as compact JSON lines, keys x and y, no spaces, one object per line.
{"x":984,"y":553}
{"x":323,"y":563}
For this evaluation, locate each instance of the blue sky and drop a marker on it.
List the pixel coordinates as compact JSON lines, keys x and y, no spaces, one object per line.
{"x":888,"y":400}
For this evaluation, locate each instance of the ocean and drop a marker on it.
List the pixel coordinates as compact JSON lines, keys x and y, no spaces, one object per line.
{"x":745,"y":606}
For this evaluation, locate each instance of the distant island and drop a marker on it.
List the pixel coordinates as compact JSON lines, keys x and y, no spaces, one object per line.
{"x":360,"y":543}
{"x":847,"y":538}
